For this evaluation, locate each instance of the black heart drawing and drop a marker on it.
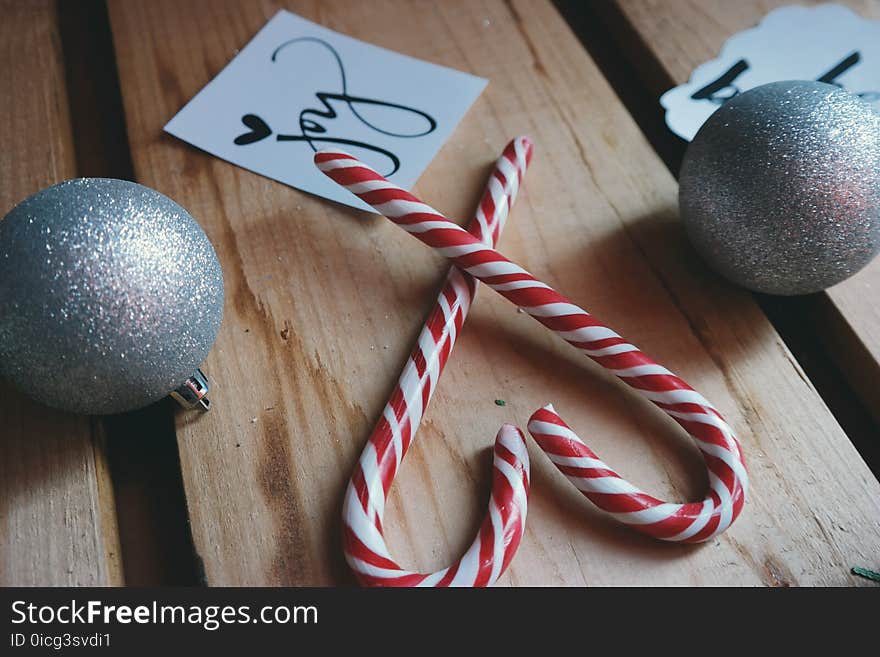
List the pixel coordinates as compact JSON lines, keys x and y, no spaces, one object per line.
{"x":259,"y":130}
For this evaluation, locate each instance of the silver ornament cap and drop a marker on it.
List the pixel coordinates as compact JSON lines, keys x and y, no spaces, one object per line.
{"x":111,"y":297}
{"x":780,"y":188}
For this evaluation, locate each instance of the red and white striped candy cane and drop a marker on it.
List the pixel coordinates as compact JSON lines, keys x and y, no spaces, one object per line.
{"x":364,"y":506}
{"x":690,"y":522}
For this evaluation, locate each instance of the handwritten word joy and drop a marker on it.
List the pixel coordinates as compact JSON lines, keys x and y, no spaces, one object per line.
{"x":315,"y":124}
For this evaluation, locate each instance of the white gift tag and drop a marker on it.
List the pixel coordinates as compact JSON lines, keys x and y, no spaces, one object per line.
{"x":298,"y":87}
{"x":828,"y":43}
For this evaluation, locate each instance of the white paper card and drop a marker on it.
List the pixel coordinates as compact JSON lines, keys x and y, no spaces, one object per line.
{"x":298,"y":87}
{"x":829,"y":43}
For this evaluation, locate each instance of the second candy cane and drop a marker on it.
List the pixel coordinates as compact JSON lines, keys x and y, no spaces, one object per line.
{"x":688,"y":522}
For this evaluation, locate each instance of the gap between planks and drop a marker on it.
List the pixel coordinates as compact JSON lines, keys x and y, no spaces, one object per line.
{"x":140,"y":463}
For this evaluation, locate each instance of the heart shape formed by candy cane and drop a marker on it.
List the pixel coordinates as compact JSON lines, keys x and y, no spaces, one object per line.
{"x":364,"y":507}
{"x":688,"y":522}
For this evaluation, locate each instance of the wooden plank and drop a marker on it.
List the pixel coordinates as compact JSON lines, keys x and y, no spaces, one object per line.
{"x":57,"y":520}
{"x":682,"y":34}
{"x":323,"y":304}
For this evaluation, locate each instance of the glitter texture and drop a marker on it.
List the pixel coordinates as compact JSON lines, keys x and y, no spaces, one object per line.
{"x":780,"y":188}
{"x":111,"y":296}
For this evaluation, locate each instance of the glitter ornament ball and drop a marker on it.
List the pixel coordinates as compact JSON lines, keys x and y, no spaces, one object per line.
{"x":111,"y":296}
{"x":780,"y":188}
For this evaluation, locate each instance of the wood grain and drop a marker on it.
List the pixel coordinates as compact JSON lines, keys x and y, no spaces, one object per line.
{"x":681,"y":34}
{"x":323,"y":304}
{"x":57,"y":519}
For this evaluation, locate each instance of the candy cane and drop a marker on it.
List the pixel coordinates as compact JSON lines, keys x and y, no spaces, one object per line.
{"x":690,"y":522}
{"x":364,"y":506}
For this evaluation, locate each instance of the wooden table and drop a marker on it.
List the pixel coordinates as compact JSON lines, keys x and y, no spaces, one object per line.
{"x":323,"y":304}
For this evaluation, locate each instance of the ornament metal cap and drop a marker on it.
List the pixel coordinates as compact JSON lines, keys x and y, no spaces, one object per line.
{"x":193,"y":393}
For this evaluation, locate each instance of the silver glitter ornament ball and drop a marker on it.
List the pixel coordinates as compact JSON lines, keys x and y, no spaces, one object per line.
{"x":780,"y":188}
{"x":111,"y":296}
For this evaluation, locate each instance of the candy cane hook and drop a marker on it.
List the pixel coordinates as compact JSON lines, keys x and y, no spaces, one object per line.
{"x":364,"y":506}
{"x":728,"y":482}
